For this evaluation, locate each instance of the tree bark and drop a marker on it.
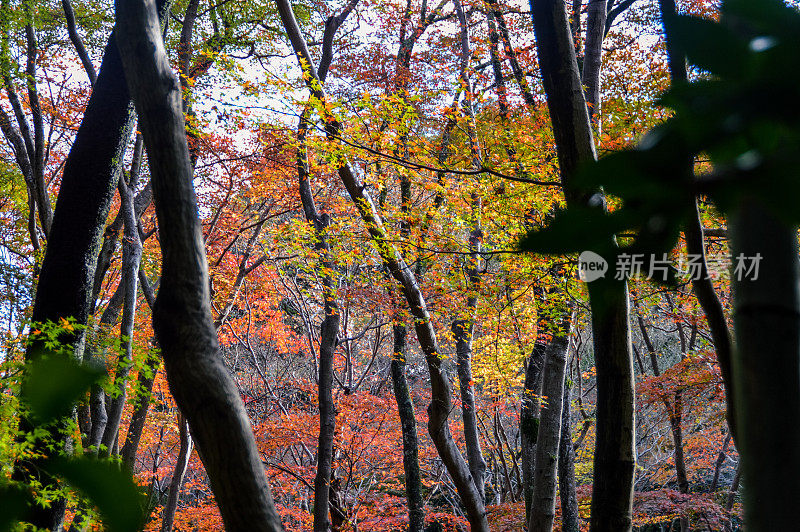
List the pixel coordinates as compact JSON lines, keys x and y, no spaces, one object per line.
{"x":615,"y":454}
{"x":570,"y":517}
{"x":529,"y":419}
{"x":87,"y":187}
{"x":199,"y":381}
{"x":766,"y":365}
{"x":593,"y":56}
{"x":543,"y":497}
{"x":408,"y":424}
{"x":184,"y":454}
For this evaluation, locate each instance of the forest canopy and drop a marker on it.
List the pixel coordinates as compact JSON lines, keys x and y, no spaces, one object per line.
{"x":383,"y":265}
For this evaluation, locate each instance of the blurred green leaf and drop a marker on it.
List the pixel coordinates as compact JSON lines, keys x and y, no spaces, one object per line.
{"x":14,"y":502}
{"x":576,"y":229}
{"x":711,"y":46}
{"x":120,"y":501}
{"x":53,"y":384}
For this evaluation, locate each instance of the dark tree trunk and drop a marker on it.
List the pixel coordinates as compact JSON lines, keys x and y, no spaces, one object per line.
{"x":543,"y":497}
{"x":570,"y":518}
{"x":675,"y":412}
{"x":199,"y":381}
{"x":720,"y":461}
{"x":702,"y":284}
{"x":90,"y":174}
{"x":408,"y":423}
{"x":614,"y":458}
{"x":766,"y":366}
{"x":529,"y":419}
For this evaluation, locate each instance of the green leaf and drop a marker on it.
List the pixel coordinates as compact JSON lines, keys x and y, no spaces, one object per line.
{"x":53,"y":384}
{"x":576,"y":229}
{"x":14,"y":503}
{"x":711,"y":46}
{"x":120,"y":501}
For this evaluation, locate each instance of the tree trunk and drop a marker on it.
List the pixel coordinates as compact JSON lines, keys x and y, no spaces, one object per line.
{"x":139,"y":416}
{"x":408,"y":423}
{"x":718,"y":465}
{"x":766,"y":366}
{"x":675,"y":413}
{"x":614,"y":458}
{"x":529,"y":419}
{"x":184,"y":454}
{"x":327,"y":415}
{"x":131,"y":256}
{"x":199,"y":381}
{"x":570,"y":517}
{"x":65,"y":282}
{"x":593,"y":56}
{"x":464,"y":328}
{"x":543,"y":497}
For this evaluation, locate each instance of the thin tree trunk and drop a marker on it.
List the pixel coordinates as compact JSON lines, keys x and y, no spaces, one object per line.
{"x":77,"y":42}
{"x":614,"y":458}
{"x":718,"y":465}
{"x":464,"y":328}
{"x":766,"y":365}
{"x":408,"y":423}
{"x":441,"y":403}
{"x":592,"y":59}
{"x":675,"y":413}
{"x":543,"y":498}
{"x":199,"y":381}
{"x":146,"y":378}
{"x":131,"y":256}
{"x":184,"y":454}
{"x":570,"y":517}
{"x":329,"y":329}
{"x":139,"y":417}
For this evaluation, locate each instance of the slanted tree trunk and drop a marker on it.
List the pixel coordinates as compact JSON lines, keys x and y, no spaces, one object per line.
{"x":131,"y":256}
{"x":441,"y":402}
{"x":766,"y":365}
{"x":329,"y":329}
{"x":614,"y":458}
{"x":543,"y":497}
{"x":184,"y":454}
{"x":199,"y":381}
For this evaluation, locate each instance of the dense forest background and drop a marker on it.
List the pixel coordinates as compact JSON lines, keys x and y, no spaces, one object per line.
{"x":363,"y":174}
